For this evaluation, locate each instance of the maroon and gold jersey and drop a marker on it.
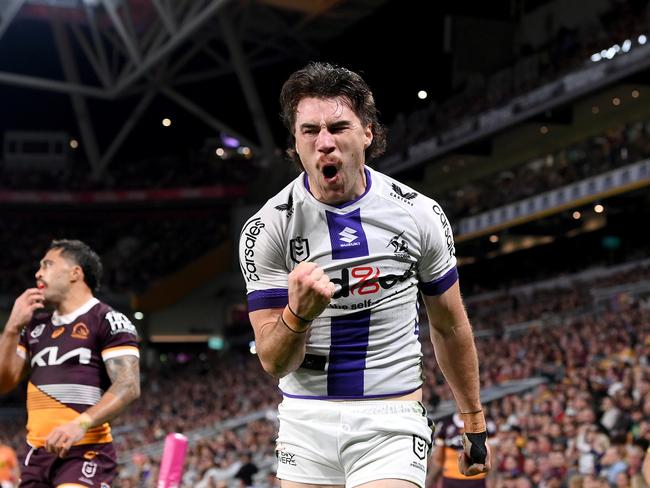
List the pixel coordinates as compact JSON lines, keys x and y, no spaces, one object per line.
{"x":66,"y":354}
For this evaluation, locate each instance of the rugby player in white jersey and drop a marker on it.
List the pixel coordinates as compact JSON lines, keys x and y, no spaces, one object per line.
{"x":333,"y":266}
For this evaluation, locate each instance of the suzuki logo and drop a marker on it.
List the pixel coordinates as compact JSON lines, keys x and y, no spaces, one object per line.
{"x":348,"y":235}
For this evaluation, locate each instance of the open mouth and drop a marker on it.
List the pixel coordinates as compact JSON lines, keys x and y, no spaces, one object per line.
{"x":330,"y":172}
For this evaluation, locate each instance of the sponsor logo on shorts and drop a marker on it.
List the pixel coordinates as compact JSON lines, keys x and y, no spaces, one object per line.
{"x":89,"y":468}
{"x":419,"y":466}
{"x":90,"y":455}
{"x":419,"y":447}
{"x":285,"y":457}
{"x":80,"y":331}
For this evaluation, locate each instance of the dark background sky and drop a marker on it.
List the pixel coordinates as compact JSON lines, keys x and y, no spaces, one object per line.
{"x":398,"y":49}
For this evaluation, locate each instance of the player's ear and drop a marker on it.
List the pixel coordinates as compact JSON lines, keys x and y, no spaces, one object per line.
{"x":77,"y":274}
{"x":367,"y":136}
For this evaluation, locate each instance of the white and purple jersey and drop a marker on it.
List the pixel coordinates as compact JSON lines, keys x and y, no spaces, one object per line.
{"x":379,"y":249}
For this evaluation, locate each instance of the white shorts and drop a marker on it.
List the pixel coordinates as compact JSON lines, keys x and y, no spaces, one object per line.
{"x":352,"y":442}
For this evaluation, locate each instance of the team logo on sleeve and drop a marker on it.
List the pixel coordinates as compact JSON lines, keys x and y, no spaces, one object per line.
{"x":299,"y":249}
{"x":400,"y":246}
{"x":120,"y":323}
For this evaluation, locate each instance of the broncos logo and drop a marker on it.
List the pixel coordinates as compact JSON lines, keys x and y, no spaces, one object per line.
{"x":408,"y":195}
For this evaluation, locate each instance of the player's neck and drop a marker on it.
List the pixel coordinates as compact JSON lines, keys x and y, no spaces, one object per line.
{"x":74,"y":300}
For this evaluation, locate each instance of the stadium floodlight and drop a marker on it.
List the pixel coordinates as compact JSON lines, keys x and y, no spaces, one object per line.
{"x":611,"y":52}
{"x":627,"y":45}
{"x":422,"y":94}
{"x":596,"y":57}
{"x":138,"y":315}
{"x":642,"y":39}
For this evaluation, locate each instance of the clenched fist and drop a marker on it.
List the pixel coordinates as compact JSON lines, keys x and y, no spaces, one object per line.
{"x":310,"y":290}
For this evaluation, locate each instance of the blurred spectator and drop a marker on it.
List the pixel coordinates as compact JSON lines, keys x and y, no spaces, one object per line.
{"x":9,"y":471}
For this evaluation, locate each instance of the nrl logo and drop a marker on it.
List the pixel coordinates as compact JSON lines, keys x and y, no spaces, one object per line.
{"x":37,"y":331}
{"x":299,"y":249}
{"x":399,"y":194}
{"x":89,"y":468}
{"x":288,"y":207}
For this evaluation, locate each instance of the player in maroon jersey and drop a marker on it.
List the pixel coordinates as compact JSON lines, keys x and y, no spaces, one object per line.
{"x":82,"y":361}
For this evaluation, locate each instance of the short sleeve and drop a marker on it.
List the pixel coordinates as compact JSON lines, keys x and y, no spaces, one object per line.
{"x":22,"y":349}
{"x":262,"y":265}
{"x":118,"y":336}
{"x":437,"y":267}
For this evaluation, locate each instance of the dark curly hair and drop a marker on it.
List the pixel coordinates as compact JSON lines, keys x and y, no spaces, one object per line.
{"x":85,"y":257}
{"x":324,"y":80}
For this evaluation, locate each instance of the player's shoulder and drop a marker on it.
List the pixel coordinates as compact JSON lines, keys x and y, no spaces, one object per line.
{"x":415,"y":203}
{"x":115,"y":321}
{"x":37,"y":324}
{"x":275,"y":215}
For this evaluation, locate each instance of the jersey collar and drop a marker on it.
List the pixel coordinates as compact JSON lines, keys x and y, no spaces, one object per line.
{"x":305,"y":180}
{"x":67,"y":318}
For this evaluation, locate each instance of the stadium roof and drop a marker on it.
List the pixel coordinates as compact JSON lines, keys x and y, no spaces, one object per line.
{"x":109,"y":71}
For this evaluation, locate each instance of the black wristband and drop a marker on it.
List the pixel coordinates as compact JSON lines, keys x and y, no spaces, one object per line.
{"x":298,"y":316}
{"x":478,"y":449}
{"x":292,"y":330}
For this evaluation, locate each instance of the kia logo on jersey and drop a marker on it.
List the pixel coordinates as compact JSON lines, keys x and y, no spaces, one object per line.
{"x":299,"y":249}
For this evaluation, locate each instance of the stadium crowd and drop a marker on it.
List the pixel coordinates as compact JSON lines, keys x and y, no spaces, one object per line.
{"x":619,"y":146}
{"x":137,"y":247}
{"x":588,"y":425}
{"x":568,"y":50}
{"x":196,"y":169}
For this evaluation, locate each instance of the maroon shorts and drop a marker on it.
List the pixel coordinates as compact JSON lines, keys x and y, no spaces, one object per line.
{"x":92,"y":465}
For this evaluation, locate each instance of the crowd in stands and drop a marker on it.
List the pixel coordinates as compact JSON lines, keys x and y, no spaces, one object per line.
{"x":568,"y":50}
{"x":136,"y":247}
{"x":588,"y":425}
{"x":196,"y":169}
{"x":617,"y":147}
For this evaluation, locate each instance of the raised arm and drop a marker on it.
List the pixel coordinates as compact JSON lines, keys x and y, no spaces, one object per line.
{"x":13,"y":367}
{"x":281,"y":333}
